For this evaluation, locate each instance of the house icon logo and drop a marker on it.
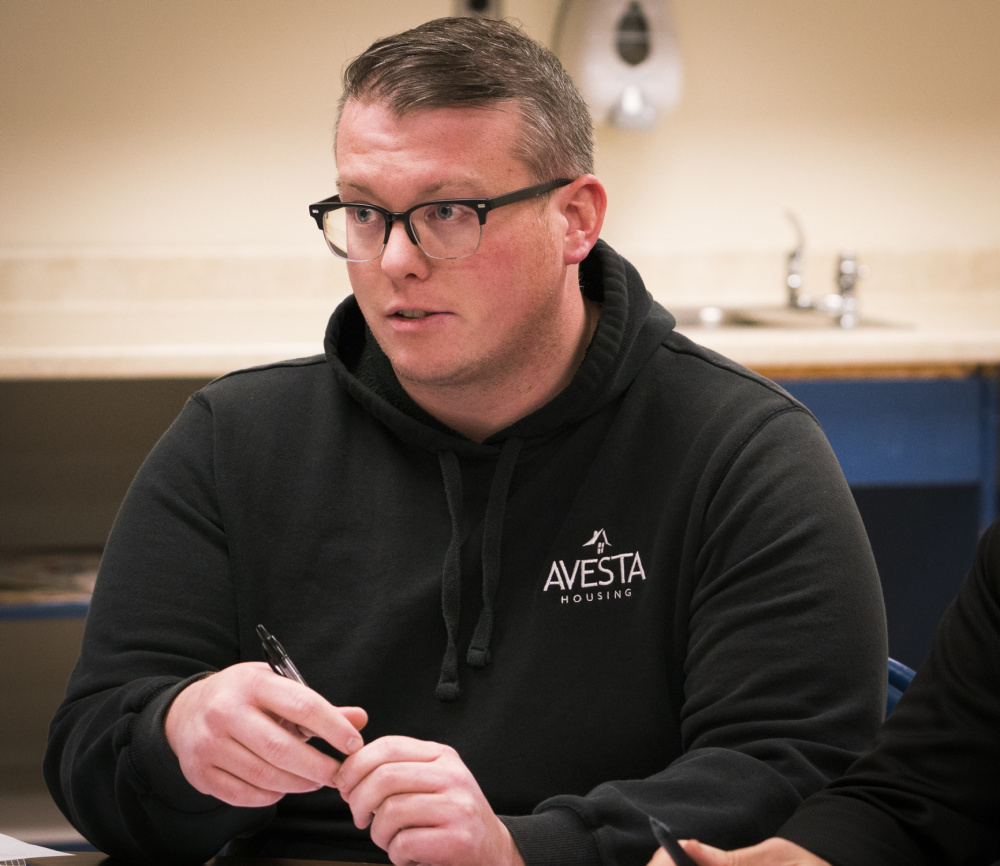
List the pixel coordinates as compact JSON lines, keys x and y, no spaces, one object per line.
{"x":600,"y":539}
{"x":600,"y":577}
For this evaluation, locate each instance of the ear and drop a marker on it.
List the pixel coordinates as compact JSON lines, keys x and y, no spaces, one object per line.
{"x":583,"y":205}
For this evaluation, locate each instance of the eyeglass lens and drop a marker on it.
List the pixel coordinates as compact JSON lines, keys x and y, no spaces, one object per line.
{"x":443,"y":231}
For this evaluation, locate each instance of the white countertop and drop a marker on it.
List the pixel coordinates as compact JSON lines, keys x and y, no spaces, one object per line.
{"x":124,"y":325}
{"x":101,"y":340}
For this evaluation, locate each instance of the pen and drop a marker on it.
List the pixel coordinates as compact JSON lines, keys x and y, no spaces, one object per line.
{"x":669,"y":843}
{"x":276,"y":656}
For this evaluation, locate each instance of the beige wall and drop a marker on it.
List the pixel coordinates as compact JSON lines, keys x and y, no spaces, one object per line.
{"x":201,"y":126}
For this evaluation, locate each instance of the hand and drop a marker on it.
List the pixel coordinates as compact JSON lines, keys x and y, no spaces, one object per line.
{"x":238,"y":735}
{"x":770,"y":852}
{"x":424,"y":805}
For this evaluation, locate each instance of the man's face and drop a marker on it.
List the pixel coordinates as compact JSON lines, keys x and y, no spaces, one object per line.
{"x":479,"y":321}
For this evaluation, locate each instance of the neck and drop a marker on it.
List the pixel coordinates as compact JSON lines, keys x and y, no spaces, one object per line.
{"x":480,"y":409}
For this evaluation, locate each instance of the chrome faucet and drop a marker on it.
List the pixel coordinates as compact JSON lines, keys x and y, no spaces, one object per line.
{"x":847,"y":276}
{"x":793,"y":270}
{"x":842,"y":304}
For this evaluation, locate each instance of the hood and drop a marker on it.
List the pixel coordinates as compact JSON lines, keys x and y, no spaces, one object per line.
{"x":630,"y":327}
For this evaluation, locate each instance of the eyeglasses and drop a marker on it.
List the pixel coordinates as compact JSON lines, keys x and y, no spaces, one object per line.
{"x":446,"y":229}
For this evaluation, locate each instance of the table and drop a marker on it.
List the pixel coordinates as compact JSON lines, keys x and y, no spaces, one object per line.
{"x":97,"y":859}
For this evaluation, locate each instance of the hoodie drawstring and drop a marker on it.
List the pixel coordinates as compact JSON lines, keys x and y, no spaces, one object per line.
{"x":451,"y":578}
{"x":479,"y":650}
{"x":478,"y":655}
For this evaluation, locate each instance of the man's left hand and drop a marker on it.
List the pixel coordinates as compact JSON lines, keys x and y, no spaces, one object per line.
{"x":424,"y":805}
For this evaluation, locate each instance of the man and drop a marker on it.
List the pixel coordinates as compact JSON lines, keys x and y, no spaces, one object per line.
{"x":928,"y":791}
{"x":546,"y":565}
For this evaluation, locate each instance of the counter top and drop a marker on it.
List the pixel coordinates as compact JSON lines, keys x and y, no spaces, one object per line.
{"x":141,"y":319}
{"x":951,"y":334}
{"x":155,"y":339}
{"x":47,"y":584}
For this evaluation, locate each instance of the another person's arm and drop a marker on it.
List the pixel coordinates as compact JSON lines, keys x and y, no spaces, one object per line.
{"x":928,"y":791}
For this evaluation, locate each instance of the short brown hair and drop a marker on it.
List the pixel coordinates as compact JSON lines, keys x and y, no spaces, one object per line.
{"x":480,"y":62}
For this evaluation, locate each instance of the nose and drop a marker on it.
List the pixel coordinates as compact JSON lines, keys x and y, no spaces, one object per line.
{"x":401,"y":257}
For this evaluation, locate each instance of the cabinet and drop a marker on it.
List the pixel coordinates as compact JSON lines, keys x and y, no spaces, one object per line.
{"x":68,"y":450}
{"x":920,"y":455}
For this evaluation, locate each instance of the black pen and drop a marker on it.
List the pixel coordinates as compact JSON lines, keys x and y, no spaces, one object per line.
{"x":276,"y":656}
{"x":664,"y":835}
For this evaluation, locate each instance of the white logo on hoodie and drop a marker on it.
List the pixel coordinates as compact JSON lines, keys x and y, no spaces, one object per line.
{"x":605,"y":574}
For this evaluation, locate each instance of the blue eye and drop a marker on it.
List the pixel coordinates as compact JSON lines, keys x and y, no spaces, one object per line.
{"x":444,"y":211}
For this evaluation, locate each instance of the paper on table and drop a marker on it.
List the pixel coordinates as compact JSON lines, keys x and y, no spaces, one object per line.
{"x":12,"y":849}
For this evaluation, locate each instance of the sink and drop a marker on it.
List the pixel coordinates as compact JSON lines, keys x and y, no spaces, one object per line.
{"x":710,"y":316}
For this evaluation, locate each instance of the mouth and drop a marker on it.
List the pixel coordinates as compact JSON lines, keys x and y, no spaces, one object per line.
{"x":411,"y":314}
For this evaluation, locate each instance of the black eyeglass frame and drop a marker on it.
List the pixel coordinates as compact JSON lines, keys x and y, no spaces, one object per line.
{"x":481,"y":206}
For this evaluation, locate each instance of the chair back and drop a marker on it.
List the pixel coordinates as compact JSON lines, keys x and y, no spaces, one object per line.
{"x":899,"y":678}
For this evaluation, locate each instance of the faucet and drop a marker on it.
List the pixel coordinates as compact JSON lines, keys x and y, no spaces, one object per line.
{"x":841,"y":303}
{"x":793,"y":269}
{"x":847,"y":276}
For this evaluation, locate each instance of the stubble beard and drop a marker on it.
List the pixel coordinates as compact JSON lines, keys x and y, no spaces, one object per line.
{"x":510,"y":368}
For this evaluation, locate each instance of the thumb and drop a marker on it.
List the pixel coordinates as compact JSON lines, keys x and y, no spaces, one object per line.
{"x":706,"y":855}
{"x":770,"y":852}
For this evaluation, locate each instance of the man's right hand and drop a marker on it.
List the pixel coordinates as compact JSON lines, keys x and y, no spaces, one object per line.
{"x":228,"y":734}
{"x":770,"y":852}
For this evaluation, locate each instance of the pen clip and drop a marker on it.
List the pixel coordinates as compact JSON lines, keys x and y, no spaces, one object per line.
{"x":276,"y":656}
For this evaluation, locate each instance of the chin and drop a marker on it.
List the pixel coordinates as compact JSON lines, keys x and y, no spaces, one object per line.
{"x":428,"y":374}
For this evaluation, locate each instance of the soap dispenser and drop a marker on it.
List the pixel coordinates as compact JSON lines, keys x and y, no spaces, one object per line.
{"x":623,"y":55}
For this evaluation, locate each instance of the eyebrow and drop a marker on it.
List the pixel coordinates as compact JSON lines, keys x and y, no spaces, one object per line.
{"x":429,"y":191}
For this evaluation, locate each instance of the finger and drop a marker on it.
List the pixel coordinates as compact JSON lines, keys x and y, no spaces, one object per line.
{"x":296,"y":731}
{"x":235,"y":759}
{"x":237,"y":792}
{"x":385,"y":750}
{"x":448,"y":779}
{"x":407,"y":811}
{"x":387,"y":782}
{"x":706,"y":855}
{"x":302,"y":706}
{"x":418,"y":845}
{"x":770,"y":852}
{"x":226,"y":753}
{"x":282,"y":749}
{"x":235,"y":775}
{"x":356,"y":716}
{"x":776,"y":852}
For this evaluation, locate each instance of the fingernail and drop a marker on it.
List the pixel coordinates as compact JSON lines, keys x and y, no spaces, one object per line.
{"x":354,"y":744}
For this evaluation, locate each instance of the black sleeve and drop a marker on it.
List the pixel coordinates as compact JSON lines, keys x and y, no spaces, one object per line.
{"x":929,"y":792}
{"x":785,"y":674}
{"x":108,"y":764}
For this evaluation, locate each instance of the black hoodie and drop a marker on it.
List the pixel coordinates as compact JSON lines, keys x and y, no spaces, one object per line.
{"x":928,"y":793}
{"x":653,"y":595}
